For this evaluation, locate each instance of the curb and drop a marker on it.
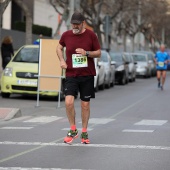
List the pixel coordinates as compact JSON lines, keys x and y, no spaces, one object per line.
{"x":9,"y":113}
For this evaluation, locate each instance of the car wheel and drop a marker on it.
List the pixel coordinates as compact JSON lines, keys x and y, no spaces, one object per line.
{"x":97,"y":86}
{"x":108,"y":85}
{"x":112,"y":83}
{"x":102,"y":87}
{"x":123,"y":81}
{"x":5,"y":95}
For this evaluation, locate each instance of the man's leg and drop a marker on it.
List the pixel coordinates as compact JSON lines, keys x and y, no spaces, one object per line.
{"x":163,"y":78}
{"x":70,"y":110}
{"x":159,"y":78}
{"x":85,"y":114}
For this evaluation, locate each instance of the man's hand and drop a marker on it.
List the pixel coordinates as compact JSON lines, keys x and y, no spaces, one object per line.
{"x":80,"y":51}
{"x":63,"y":64}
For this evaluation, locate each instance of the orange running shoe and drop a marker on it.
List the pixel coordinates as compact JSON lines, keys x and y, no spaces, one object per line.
{"x":84,"y":138}
{"x":70,"y":136}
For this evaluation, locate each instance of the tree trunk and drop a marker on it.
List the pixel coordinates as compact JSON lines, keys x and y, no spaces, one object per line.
{"x":28,"y":15}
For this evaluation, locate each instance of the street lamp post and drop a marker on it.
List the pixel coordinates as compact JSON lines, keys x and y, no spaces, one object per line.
{"x":139,"y":24}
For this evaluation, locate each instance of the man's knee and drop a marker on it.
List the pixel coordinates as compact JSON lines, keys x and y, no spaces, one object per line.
{"x":69,"y":101}
{"x":85,"y":105}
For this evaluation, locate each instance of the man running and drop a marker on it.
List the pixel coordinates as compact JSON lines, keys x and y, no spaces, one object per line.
{"x":161,"y":60}
{"x":82,"y":46}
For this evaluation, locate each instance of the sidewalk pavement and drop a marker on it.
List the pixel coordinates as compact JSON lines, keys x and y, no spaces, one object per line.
{"x":9,"y":113}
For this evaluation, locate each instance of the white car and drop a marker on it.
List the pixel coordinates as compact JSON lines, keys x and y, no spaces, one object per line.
{"x":100,"y":75}
{"x":143,"y":67}
{"x":109,"y":69}
{"x":132,"y":66}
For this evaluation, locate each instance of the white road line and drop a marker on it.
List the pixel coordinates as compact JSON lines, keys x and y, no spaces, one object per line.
{"x":16,"y":128}
{"x":79,"y":129}
{"x":151,"y":122}
{"x":20,"y":168}
{"x":100,"y":120}
{"x":89,"y":145}
{"x":43,"y":119}
{"x":140,"y":131}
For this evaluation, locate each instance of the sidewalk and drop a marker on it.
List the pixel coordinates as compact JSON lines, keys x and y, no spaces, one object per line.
{"x":9,"y":113}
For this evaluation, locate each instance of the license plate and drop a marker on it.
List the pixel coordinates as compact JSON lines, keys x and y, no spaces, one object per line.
{"x":27,"y":82}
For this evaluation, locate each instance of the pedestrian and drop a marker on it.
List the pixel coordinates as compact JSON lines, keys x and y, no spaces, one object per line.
{"x":82,"y":46}
{"x":6,"y":50}
{"x":37,"y":41}
{"x":161,"y":60}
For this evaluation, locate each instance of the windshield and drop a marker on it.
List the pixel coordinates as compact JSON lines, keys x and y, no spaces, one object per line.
{"x":116,"y":57}
{"x":139,"y":57}
{"x":28,"y":55}
{"x":104,"y":57}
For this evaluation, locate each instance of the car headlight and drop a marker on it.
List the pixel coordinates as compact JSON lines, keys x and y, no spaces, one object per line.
{"x":8,"y":72}
{"x":120,"y":68}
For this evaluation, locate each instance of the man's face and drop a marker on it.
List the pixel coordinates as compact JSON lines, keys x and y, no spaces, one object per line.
{"x":162,"y":48}
{"x":77,"y":28}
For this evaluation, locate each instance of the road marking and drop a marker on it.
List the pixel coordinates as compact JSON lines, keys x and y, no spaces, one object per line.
{"x":58,"y":140}
{"x":79,"y":129}
{"x":151,"y":122}
{"x":20,"y":168}
{"x":43,"y":119}
{"x":99,"y":120}
{"x":17,"y":128}
{"x":132,"y":130}
{"x":88,"y":145}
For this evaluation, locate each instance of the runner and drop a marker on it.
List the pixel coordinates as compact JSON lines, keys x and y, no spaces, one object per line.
{"x":161,"y":60}
{"x":82,"y":46}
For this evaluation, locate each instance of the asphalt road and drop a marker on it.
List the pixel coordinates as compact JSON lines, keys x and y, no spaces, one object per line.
{"x":129,"y":129}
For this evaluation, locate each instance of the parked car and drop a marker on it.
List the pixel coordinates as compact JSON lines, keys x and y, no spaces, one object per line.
{"x":121,"y":67}
{"x":20,"y":75}
{"x":132,"y":67}
{"x":99,"y":79}
{"x":143,"y":64}
{"x":151,"y":56}
{"x":109,"y":69}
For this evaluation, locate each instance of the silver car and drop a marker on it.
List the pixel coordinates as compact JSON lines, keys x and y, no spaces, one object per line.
{"x":132,"y":66}
{"x":99,"y":79}
{"x":109,"y":69}
{"x":143,"y":66}
{"x":151,"y":56}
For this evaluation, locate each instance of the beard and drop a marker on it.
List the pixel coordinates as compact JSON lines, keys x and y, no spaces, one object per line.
{"x":76,"y":31}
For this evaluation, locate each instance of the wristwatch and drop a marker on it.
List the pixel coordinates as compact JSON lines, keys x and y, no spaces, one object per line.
{"x":87,"y":53}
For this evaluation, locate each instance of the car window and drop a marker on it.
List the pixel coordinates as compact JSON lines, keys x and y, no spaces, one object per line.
{"x":104,"y":57}
{"x":128,"y":58}
{"x":139,"y":57}
{"x":28,"y":55}
{"x":116,"y":57}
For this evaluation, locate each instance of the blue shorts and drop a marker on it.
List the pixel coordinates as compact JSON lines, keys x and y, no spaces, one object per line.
{"x":82,"y":84}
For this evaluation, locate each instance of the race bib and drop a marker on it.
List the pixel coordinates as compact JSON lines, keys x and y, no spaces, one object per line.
{"x":161,"y":64}
{"x":79,"y":61}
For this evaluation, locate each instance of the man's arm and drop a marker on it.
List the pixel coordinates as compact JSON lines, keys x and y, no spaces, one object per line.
{"x":60,"y":56}
{"x":92,"y":54}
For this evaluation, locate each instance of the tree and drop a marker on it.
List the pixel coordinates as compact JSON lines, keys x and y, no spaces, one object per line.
{"x":28,"y":15}
{"x":3,"y":5}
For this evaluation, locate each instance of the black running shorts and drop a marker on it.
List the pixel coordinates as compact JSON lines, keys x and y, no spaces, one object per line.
{"x":82,"y":84}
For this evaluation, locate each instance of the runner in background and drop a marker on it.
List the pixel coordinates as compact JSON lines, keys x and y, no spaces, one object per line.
{"x":161,"y":60}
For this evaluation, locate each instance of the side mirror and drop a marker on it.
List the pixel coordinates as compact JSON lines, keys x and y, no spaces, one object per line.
{"x":150,"y":61}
